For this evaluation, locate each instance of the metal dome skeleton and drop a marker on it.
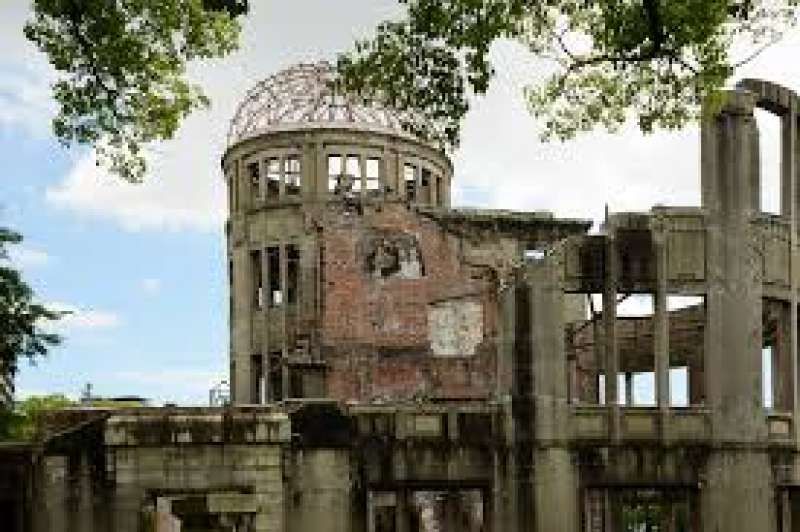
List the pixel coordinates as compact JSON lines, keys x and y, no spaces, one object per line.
{"x":302,"y":96}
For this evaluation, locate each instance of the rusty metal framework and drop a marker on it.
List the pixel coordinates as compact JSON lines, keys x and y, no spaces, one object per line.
{"x":302,"y":96}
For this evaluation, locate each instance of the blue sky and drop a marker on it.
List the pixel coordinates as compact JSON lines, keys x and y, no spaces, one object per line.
{"x":148,"y":305}
{"x":142,"y":266}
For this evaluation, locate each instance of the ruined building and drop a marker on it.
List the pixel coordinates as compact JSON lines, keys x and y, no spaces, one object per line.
{"x":398,"y":365}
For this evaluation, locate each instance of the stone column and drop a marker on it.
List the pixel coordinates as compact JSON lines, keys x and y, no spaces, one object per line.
{"x":401,"y":510}
{"x":611,"y":347}
{"x":555,"y":483}
{"x":241,"y":324}
{"x":283,"y":309}
{"x":86,"y":508}
{"x":790,"y":174}
{"x":737,"y":493}
{"x":661,"y":316}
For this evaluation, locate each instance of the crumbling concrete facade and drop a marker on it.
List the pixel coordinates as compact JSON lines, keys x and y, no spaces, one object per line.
{"x":400,"y":366}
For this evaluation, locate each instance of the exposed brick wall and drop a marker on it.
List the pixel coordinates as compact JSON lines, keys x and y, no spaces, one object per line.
{"x":375,"y":331}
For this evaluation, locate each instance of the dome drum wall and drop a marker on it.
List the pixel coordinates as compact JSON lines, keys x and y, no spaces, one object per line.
{"x":331,"y":165}
{"x":281,"y":186}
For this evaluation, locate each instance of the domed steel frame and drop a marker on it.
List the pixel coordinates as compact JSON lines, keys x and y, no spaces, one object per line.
{"x":302,"y":96}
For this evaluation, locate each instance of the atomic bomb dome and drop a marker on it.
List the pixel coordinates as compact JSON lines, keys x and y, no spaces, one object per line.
{"x":302,"y":97}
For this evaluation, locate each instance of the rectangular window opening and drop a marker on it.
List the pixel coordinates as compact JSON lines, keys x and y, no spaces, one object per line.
{"x":373,"y":180}
{"x":235,"y":185}
{"x":766,"y":377}
{"x":275,"y":375}
{"x":254,"y":175}
{"x":679,"y":387}
{"x":292,"y":175}
{"x":334,"y":172}
{"x":273,"y":177}
{"x":292,"y":272}
{"x":410,"y":179}
{"x":353,"y":170}
{"x":258,"y":384}
{"x":769,"y":128}
{"x":425,"y":185}
{"x":643,"y":389}
{"x":687,"y":323}
{"x":274,"y":269}
{"x":230,"y":190}
{"x":258,"y":287}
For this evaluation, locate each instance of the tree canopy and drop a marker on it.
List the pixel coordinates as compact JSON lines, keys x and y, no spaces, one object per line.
{"x":23,"y":332}
{"x":121,"y":68}
{"x":651,"y":60}
{"x":21,"y":422}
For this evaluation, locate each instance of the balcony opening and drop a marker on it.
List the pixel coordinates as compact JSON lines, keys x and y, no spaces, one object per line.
{"x":257,"y":279}
{"x":273,"y":177}
{"x":274,"y":271}
{"x":687,"y":324}
{"x":353,"y":169}
{"x":373,"y":180}
{"x":254,"y":176}
{"x":410,"y":180}
{"x":334,"y":173}
{"x":425,"y":186}
{"x":769,"y":129}
{"x":292,"y":175}
{"x":292,"y":273}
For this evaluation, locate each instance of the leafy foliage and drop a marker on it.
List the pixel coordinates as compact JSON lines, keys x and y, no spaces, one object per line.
{"x":655,"y":60}
{"x":21,"y":423}
{"x":122,"y":66}
{"x":21,"y":319}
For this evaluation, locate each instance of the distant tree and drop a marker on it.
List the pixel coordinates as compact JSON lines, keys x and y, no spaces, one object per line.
{"x":122,"y":68}
{"x":653,"y":60}
{"x":20,"y":424}
{"x":22,"y":321}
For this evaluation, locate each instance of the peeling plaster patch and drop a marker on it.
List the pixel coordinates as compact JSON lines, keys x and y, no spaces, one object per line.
{"x":455,"y":327}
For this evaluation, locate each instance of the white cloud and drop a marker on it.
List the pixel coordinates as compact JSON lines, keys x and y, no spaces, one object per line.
{"x":151,"y":286}
{"x":25,"y":76}
{"x":83,"y":318}
{"x":25,"y":257}
{"x":25,"y":100}
{"x":172,"y":200}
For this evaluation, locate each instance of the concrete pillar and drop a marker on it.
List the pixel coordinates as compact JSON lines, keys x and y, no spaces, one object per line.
{"x":127,"y":506}
{"x":285,"y":377}
{"x":733,"y":306}
{"x":785,"y":511}
{"x":737,"y":495}
{"x":53,"y":495}
{"x":241,"y":326}
{"x":554,"y":484}
{"x":628,"y":388}
{"x":402,"y":509}
{"x":661,"y":318}
{"x":451,"y":512}
{"x":790,"y":208}
{"x":611,"y":347}
{"x":266,"y":363}
{"x":324,"y":481}
{"x":86,"y":508}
